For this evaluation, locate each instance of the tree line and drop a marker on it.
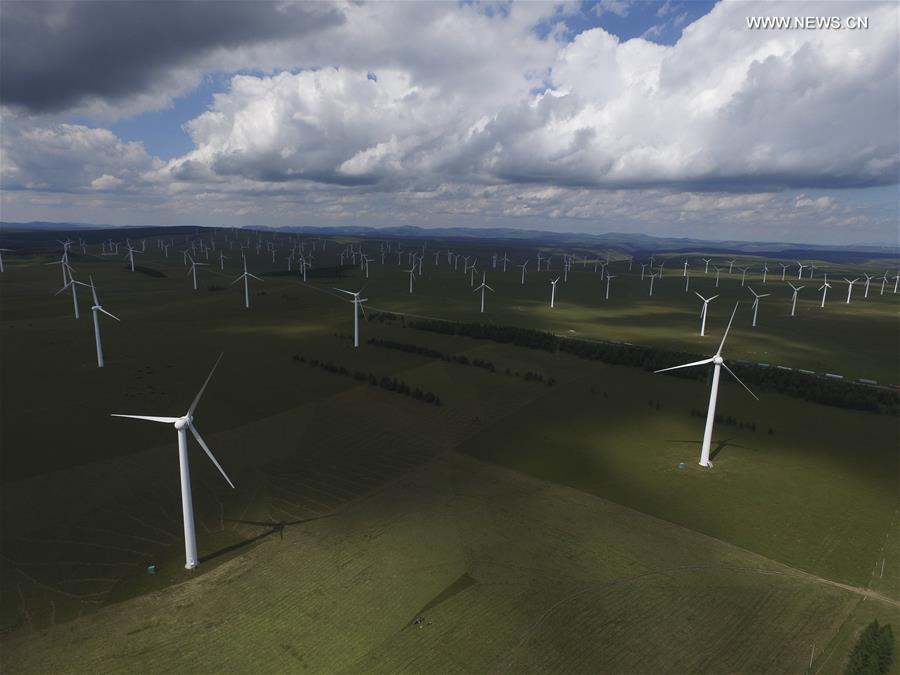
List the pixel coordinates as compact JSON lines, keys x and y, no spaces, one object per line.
{"x":385,"y":382}
{"x":838,"y":393}
{"x":460,"y":359}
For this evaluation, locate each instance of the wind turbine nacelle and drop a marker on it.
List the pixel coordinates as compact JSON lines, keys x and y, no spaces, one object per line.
{"x":184,"y":422}
{"x":718,"y":360}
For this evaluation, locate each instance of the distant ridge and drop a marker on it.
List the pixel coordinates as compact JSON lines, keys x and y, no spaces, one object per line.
{"x":633,"y":243}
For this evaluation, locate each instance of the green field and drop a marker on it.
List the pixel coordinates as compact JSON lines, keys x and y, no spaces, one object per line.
{"x":536,"y":527}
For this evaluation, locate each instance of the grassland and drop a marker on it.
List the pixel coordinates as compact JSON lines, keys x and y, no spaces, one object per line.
{"x":357,"y":508}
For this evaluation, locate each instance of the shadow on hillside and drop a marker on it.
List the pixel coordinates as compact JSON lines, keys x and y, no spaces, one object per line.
{"x":275,"y":527}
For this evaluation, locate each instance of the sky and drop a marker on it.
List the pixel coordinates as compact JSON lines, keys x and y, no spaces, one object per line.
{"x":669,"y":118}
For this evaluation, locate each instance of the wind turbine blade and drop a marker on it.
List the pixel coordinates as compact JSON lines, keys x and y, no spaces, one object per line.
{"x":725,"y":366}
{"x":343,"y":291}
{"x":253,"y":276}
{"x":489,"y":288}
{"x":237,"y":280}
{"x":66,"y":287}
{"x":686,"y":365}
{"x":733,"y":312}
{"x":203,"y":388}
{"x":107,"y":313}
{"x":164,"y":420}
{"x":209,"y":453}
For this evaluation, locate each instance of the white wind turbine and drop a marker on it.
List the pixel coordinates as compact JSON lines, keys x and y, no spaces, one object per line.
{"x":850,"y":287}
{"x":523,"y":266}
{"x":687,"y":282}
{"x":718,"y":363}
{"x":2,"y":251}
{"x":797,"y":289}
{"x":783,"y":270}
{"x":684,"y":273}
{"x":609,"y":277}
{"x":652,"y":277}
{"x":765,"y":273}
{"x":703,"y":311}
{"x":707,"y":261}
{"x":718,"y":272}
{"x":824,"y":288}
{"x":130,"y":254}
{"x":744,"y":271}
{"x":481,"y":288}
{"x":71,"y":283}
{"x":412,"y":275}
{"x":730,"y":265}
{"x":182,"y":425}
{"x":357,"y":305}
{"x":193,"y":271}
{"x":756,"y":297}
{"x":96,"y":308}
{"x":869,"y":278}
{"x":246,"y":276}
{"x":800,"y":265}
{"x":553,"y":292}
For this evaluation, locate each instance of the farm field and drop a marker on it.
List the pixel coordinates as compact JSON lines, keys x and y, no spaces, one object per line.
{"x":535,"y":524}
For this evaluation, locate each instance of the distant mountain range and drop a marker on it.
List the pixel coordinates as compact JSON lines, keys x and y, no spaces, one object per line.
{"x":632,"y":243}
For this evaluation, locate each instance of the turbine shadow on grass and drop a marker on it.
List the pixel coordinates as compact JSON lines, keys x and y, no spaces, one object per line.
{"x":275,"y":527}
{"x":719,"y":445}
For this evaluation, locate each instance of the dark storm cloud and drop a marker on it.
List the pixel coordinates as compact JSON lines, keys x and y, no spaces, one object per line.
{"x":56,"y":55}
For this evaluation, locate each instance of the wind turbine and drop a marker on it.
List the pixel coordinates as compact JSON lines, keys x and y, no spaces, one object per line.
{"x":703,"y":311}
{"x":96,"y":309}
{"x":504,"y":260}
{"x":481,"y":288}
{"x":553,"y":291}
{"x":71,"y":283}
{"x":718,"y":272}
{"x":193,"y":270}
{"x":868,"y":280}
{"x":412,"y":274}
{"x":718,"y":363}
{"x":756,"y":297}
{"x":687,"y":282}
{"x":765,"y":273}
{"x":2,"y":251}
{"x":523,"y":266}
{"x":744,"y":271}
{"x":652,"y":277}
{"x":730,"y":265}
{"x":246,"y":276}
{"x":357,"y":305}
{"x":182,"y":424}
{"x":783,"y":270}
{"x":609,"y":277}
{"x":824,"y":288}
{"x":797,"y":289}
{"x":850,"y":287}
{"x":130,"y":254}
{"x":800,"y":272}
{"x":707,"y":261}
{"x":684,"y":273}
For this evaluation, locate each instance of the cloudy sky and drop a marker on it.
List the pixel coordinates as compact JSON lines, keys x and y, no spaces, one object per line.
{"x":666,"y":118}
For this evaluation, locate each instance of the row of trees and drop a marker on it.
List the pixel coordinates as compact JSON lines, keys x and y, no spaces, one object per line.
{"x":726,"y":420}
{"x":385,"y":382}
{"x":838,"y":393}
{"x":460,"y":359}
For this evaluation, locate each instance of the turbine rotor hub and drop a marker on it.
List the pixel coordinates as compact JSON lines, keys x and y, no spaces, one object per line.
{"x":718,"y":360}
{"x":183,"y":422}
